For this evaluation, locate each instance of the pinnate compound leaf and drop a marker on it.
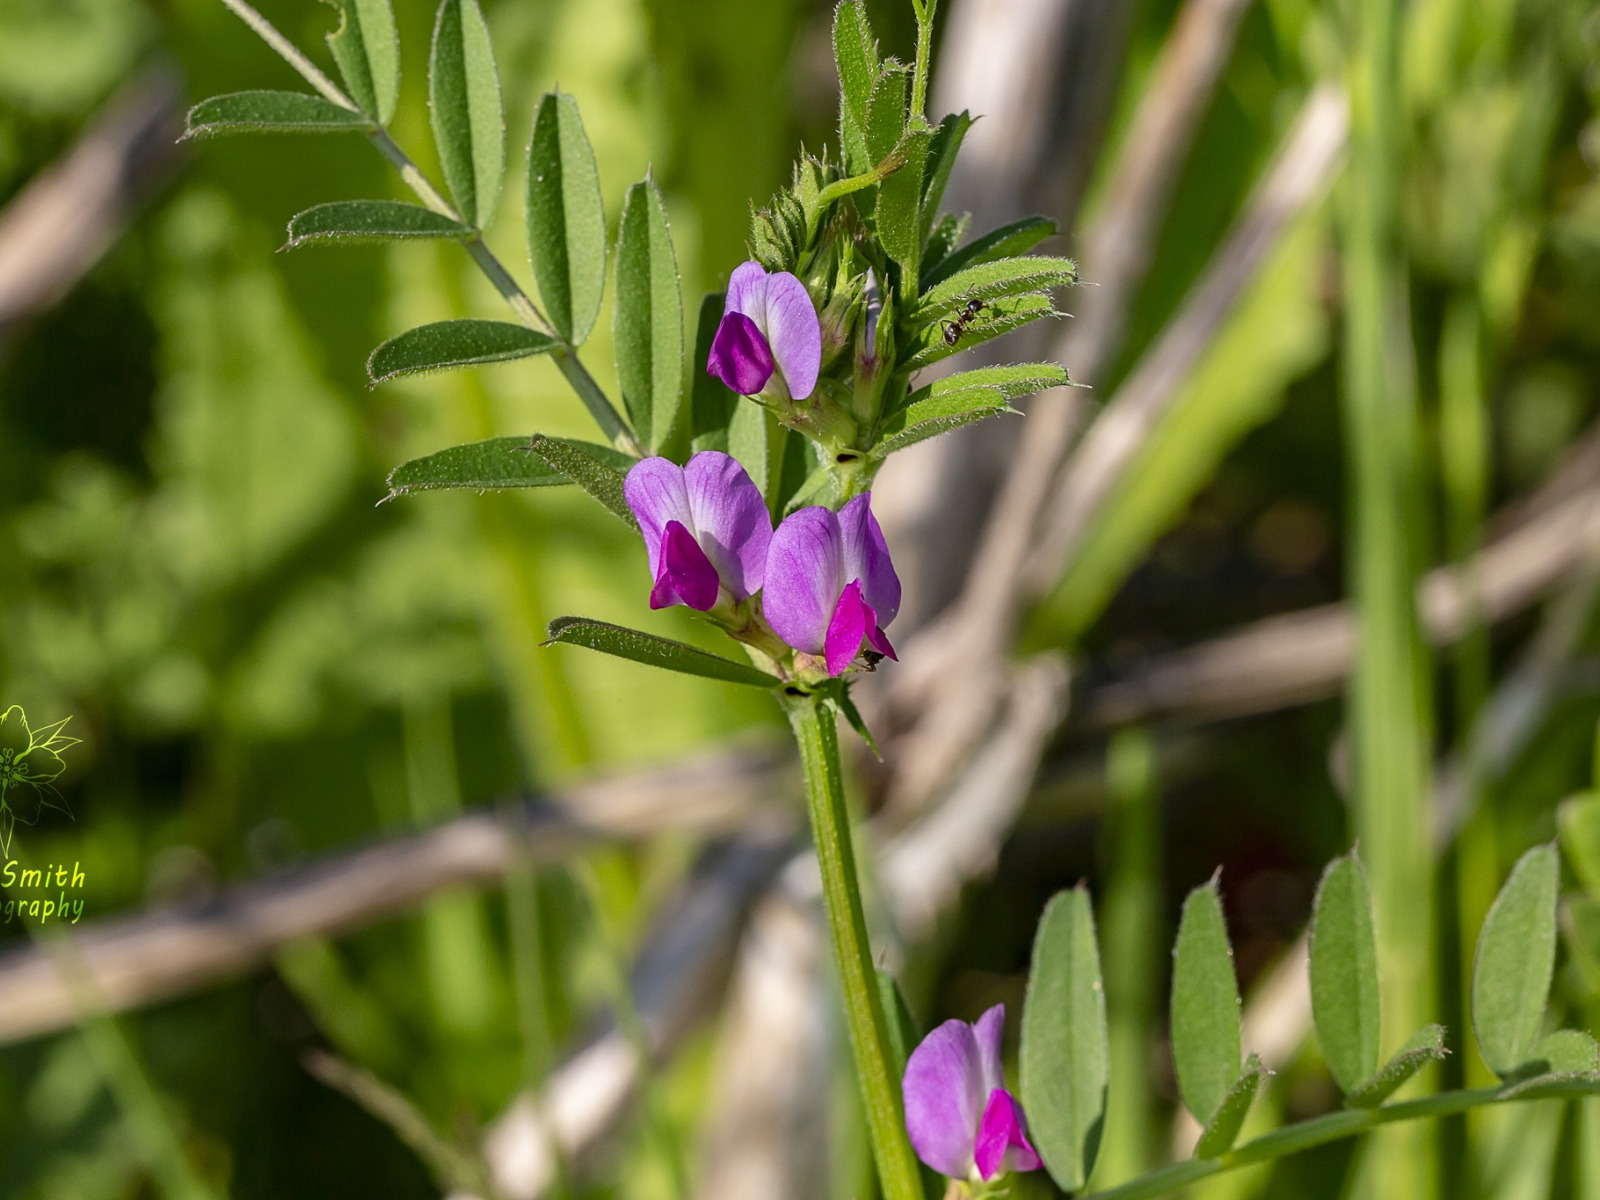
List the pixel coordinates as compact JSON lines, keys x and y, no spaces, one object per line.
{"x":1006,"y":242}
{"x":654,"y":651}
{"x":997,"y":317}
{"x":566,"y":217}
{"x":1205,"y":1005}
{"x":464,"y":102}
{"x":1218,"y":1137}
{"x":368,"y":221}
{"x":1578,"y":818}
{"x":496,"y":463}
{"x":994,"y":280}
{"x":648,"y":322}
{"x":856,"y":56}
{"x":271,"y":112}
{"x":1515,"y":959}
{"x":1013,"y":381}
{"x":1065,"y":1048}
{"x":447,"y":344}
{"x":600,"y":474}
{"x":1424,"y":1046}
{"x":367,"y":48}
{"x":1344,"y":973}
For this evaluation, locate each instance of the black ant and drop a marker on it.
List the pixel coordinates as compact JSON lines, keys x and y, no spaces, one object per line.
{"x":954,"y":329}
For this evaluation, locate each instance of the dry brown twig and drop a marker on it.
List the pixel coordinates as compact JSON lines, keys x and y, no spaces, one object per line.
{"x":69,"y":215}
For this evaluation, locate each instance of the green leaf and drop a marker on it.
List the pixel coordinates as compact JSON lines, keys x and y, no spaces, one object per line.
{"x":1006,"y":242}
{"x":757,"y":440}
{"x":942,"y":152}
{"x":998,"y":317}
{"x":1065,"y":1048}
{"x":711,"y":401}
{"x":1578,"y":819}
{"x":648,"y":323}
{"x":856,"y":56}
{"x":1566,"y":1056}
{"x":654,"y":651}
{"x":367,"y":48}
{"x":886,"y":112}
{"x":566,"y":217}
{"x":1516,"y":955}
{"x":992,"y":280}
{"x":1218,"y":1137}
{"x":921,"y":431}
{"x":899,"y":1024}
{"x":447,"y":344}
{"x":942,"y":239}
{"x":1205,"y":1005}
{"x":271,"y":112}
{"x":1013,"y":381}
{"x":497,"y":463}
{"x":599,"y":474}
{"x":368,"y":221}
{"x":464,"y":102}
{"x":900,"y":204}
{"x":1421,"y":1048}
{"x":1344,"y":973}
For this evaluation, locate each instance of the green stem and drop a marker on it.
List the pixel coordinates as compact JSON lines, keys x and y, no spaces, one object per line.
{"x":919,"y":78}
{"x":1304,"y":1135}
{"x":818,"y":739}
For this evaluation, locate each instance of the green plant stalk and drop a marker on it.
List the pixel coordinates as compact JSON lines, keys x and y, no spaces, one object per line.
{"x":817,"y":736}
{"x":1318,"y":1131}
{"x":566,"y":358}
{"x":1387,"y":712}
{"x":919,"y":77}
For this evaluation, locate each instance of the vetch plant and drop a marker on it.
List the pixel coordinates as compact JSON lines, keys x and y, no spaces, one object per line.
{"x":744,"y":456}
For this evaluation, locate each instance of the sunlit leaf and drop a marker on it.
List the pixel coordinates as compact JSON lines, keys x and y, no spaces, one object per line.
{"x":1065,"y":1055}
{"x":271,"y":112}
{"x":367,"y":48}
{"x":856,"y":57}
{"x":368,"y":221}
{"x":1566,"y":1056}
{"x":899,"y":213}
{"x":1223,"y":1130}
{"x":941,"y":158}
{"x":997,"y":317}
{"x":1344,"y":973}
{"x":648,"y":323}
{"x":1421,"y":1048}
{"x":1006,"y":242}
{"x":1516,"y":955}
{"x":655,"y":651}
{"x":1578,"y":818}
{"x":497,"y":463}
{"x":1013,"y":381}
{"x":597,"y":470}
{"x":566,"y":217}
{"x":989,"y":281}
{"x":447,"y":344}
{"x":1205,"y":1005}
{"x":464,"y":102}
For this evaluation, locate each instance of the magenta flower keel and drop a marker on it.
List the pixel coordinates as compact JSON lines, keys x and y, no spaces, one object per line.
{"x":706,"y":529}
{"x":830,"y":587}
{"x":959,"y":1114}
{"x":769,"y":326}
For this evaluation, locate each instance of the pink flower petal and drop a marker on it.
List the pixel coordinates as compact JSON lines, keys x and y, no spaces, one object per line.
{"x":731,"y":521}
{"x":803,"y":581}
{"x":656,"y":492}
{"x":942,"y":1089}
{"x":739,"y":355}
{"x":686,"y":573}
{"x":866,"y":557}
{"x":990,"y":1029}
{"x":794,"y":333}
{"x":853,"y":620}
{"x":1002,"y":1143}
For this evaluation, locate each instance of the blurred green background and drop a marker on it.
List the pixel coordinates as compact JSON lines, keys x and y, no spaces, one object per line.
{"x":264,"y":665}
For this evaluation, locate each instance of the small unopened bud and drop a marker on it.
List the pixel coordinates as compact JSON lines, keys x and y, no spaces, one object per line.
{"x":839,"y":319}
{"x":874,"y":351}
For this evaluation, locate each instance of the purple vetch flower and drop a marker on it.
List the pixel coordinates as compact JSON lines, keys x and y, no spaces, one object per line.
{"x":830,"y":587}
{"x":705,"y":528}
{"x":958,"y":1112}
{"x":769,"y":325}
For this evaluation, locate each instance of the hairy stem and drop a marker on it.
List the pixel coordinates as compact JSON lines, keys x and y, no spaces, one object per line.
{"x":815,"y":732}
{"x":1318,"y":1131}
{"x":919,"y":78}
